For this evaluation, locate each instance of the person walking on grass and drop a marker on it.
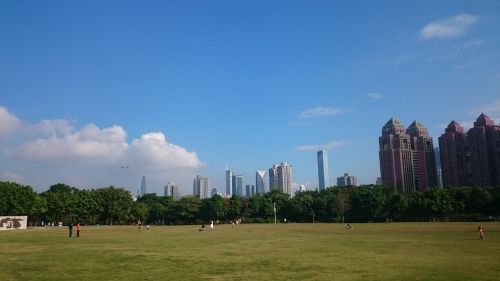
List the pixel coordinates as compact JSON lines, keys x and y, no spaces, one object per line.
{"x":78,"y":230}
{"x":481,"y":232}
{"x":70,"y":229}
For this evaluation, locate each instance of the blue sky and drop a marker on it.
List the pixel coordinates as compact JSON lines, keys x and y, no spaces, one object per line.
{"x":178,"y":88}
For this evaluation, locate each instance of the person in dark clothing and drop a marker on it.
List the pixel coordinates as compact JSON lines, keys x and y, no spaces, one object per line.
{"x":70,"y":228}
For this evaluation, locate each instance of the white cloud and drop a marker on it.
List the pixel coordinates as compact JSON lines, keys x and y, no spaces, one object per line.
{"x":50,"y":127}
{"x":8,"y":122}
{"x":54,"y":151}
{"x":321,"y":111}
{"x":448,"y":28}
{"x":373,"y":96}
{"x":154,"y":152}
{"x":90,"y":143}
{"x":328,"y":146}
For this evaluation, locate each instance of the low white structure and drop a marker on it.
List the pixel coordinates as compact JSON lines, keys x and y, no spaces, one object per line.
{"x":13,"y":222}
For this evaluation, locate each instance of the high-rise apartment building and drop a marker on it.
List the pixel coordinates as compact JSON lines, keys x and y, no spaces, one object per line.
{"x":323,"y":174}
{"x":173,"y":190}
{"x":201,"y":187}
{"x":280,"y":178}
{"x":407,"y":161}
{"x":454,"y":156}
{"x":396,"y":167}
{"x":259,"y":181}
{"x":424,"y":161}
{"x":347,"y":180}
{"x":484,"y":146}
{"x":143,"y":186}
{"x":229,"y":182}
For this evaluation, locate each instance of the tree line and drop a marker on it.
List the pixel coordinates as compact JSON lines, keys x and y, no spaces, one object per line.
{"x":112,"y":205}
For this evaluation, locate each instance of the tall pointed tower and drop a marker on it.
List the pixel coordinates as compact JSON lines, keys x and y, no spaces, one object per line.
{"x":143,"y":186}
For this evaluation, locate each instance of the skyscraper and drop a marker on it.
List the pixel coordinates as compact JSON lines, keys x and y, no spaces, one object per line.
{"x":347,"y":180}
{"x":249,"y":190}
{"x":143,"y":186}
{"x":396,"y":165}
{"x":280,"y":178}
{"x":407,"y":157}
{"x":273,"y":178}
{"x":454,"y":156}
{"x":484,"y":145}
{"x":229,"y":182}
{"x":259,"y":181}
{"x":323,"y":174}
{"x":238,"y":185}
{"x":201,"y":187}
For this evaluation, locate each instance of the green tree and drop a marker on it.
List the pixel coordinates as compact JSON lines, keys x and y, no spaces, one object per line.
{"x":398,"y":204}
{"x":187,"y":209}
{"x":235,"y":208}
{"x":115,"y":205}
{"x":342,"y":203}
{"x":140,"y":212}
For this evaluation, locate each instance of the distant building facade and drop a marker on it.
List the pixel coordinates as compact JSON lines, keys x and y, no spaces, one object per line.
{"x":347,"y":180}
{"x":280,"y":178}
{"x":259,"y":182}
{"x":201,"y":187}
{"x":407,"y":161}
{"x":323,"y":174}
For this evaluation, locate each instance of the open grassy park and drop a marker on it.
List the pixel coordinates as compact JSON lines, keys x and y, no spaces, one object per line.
{"x":398,"y":251}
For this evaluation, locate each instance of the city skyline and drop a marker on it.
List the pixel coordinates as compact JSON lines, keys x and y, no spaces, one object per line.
{"x":158,"y":90}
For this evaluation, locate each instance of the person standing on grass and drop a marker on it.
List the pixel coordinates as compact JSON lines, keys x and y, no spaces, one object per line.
{"x":70,"y":229}
{"x":147,"y":227}
{"x":481,"y":233}
{"x":77,"y":230}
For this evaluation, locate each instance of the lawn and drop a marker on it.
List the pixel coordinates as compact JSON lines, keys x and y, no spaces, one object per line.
{"x":398,"y":251}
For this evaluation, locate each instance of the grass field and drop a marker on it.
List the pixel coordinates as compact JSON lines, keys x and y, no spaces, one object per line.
{"x":398,"y":251}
